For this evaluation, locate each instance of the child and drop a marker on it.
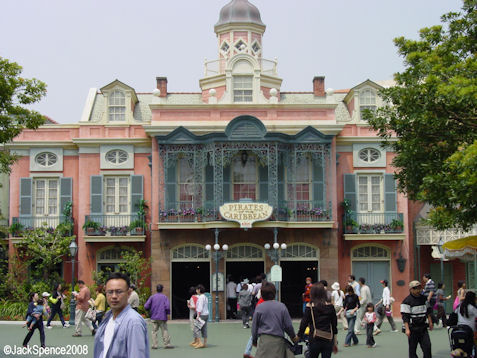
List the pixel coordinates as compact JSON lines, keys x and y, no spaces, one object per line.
{"x":245,"y":303}
{"x":369,"y":319}
{"x":35,"y":315}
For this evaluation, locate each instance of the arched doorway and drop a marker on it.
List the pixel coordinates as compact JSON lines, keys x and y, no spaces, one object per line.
{"x":298,"y":261}
{"x":190,"y":265}
{"x":109,"y":258}
{"x":244,"y":261}
{"x":373,"y":263}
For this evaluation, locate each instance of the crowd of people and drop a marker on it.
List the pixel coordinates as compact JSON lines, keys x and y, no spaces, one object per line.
{"x":121,"y":327}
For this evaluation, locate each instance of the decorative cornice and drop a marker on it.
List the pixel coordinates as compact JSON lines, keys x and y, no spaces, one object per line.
{"x":234,"y":225}
{"x":375,"y":237}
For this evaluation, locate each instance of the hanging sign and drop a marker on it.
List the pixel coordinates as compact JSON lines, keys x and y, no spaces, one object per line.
{"x":276,"y":273}
{"x":246,"y":213}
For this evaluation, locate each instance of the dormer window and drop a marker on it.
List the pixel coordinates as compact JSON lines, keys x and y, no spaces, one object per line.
{"x":243,"y":88}
{"x":367,"y":100}
{"x":117,"y":106}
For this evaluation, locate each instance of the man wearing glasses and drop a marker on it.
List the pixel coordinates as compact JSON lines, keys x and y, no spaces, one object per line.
{"x":123,"y":332}
{"x":414,"y":313}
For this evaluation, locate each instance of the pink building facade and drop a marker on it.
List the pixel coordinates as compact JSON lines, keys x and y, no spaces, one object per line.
{"x":240,"y":139}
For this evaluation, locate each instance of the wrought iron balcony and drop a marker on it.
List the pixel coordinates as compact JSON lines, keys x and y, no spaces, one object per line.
{"x":373,"y":223}
{"x":289,"y":211}
{"x":114,"y":225}
{"x":25,"y":223}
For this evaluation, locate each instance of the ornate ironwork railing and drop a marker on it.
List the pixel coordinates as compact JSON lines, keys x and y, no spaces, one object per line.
{"x":427,"y":235}
{"x":33,"y":222}
{"x":114,"y":225}
{"x":373,"y":223}
{"x":299,"y":210}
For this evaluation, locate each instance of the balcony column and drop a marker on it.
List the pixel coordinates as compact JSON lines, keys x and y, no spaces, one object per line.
{"x":273,"y":175}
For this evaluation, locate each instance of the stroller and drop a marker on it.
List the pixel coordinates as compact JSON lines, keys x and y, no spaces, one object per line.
{"x":461,"y":339}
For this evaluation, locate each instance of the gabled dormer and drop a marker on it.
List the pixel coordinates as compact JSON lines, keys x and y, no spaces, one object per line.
{"x":119,"y":103}
{"x":361,"y":97}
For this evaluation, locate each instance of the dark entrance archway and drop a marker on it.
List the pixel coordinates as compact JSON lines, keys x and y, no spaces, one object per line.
{"x":294,"y":274}
{"x":185,"y":275}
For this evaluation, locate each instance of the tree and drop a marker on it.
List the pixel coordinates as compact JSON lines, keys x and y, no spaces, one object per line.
{"x":433,"y":114}
{"x":136,"y":266}
{"x":15,"y":93}
{"x":43,"y":248}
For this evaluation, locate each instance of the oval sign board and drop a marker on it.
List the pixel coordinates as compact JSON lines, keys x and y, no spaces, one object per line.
{"x":246,"y":213}
{"x":276,"y":273}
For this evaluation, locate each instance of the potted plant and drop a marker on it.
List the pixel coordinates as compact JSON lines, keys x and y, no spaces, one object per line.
{"x":137,"y":227}
{"x":114,"y":230}
{"x":378,"y":228}
{"x":350,"y":224}
{"x":365,"y":229}
{"x":16,"y":229}
{"x":198,"y":214}
{"x":91,"y":227}
{"x":396,"y":225}
{"x":123,"y":230}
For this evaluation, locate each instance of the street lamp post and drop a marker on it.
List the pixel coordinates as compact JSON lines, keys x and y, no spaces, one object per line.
{"x":275,"y":253}
{"x":217,"y":256}
{"x":73,"y":251}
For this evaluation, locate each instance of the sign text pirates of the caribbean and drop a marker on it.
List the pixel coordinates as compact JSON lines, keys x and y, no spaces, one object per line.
{"x":246,"y":213}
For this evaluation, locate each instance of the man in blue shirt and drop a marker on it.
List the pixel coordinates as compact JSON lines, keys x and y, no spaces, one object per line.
{"x":123,"y":332}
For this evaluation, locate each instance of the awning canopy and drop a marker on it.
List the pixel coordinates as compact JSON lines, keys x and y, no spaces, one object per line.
{"x":464,"y":248}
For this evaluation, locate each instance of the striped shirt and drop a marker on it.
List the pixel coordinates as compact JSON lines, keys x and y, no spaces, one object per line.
{"x":414,"y":311}
{"x":428,"y":288}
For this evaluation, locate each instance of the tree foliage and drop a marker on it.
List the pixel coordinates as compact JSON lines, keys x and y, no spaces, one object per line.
{"x":43,"y":248}
{"x":16,"y":92}
{"x":433,"y":113}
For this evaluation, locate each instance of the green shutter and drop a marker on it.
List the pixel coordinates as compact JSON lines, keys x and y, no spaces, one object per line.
{"x":349,"y":181}
{"x":66,"y":192}
{"x":26,"y":200}
{"x":171,"y":187}
{"x":318,"y":183}
{"x":96,"y":191}
{"x":137,"y":189}
{"x":263,"y":183}
{"x":281,"y":183}
{"x":209,"y":182}
{"x":226,"y":187}
{"x":390,"y":204}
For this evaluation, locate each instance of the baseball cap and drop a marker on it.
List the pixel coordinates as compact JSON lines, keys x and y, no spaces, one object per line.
{"x":414,"y":284}
{"x":45,"y":294}
{"x":384,"y":281}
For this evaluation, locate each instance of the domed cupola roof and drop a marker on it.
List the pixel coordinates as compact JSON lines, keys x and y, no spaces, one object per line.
{"x":239,"y":11}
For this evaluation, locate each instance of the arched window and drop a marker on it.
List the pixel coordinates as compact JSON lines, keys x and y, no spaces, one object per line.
{"x":117,"y":106}
{"x":299,"y":251}
{"x":190,"y":253}
{"x":244,"y":252}
{"x":370,"y":252}
{"x":108,"y":259}
{"x":244,"y":177}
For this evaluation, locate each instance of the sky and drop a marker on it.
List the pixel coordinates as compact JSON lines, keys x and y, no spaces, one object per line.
{"x":77,"y":45}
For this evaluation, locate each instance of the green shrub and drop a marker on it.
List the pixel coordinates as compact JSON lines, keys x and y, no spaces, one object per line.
{"x":13,"y":310}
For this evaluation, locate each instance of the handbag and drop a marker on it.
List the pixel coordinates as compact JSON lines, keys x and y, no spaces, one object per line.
{"x":318,"y":333}
{"x":350,"y":314}
{"x":91,"y":314}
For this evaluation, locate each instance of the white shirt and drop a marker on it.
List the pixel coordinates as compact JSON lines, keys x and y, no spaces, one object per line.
{"x":231,"y":286}
{"x":365,"y":295}
{"x":203,"y":305}
{"x":108,"y":336}
{"x":386,"y":296}
{"x":337,"y":296}
{"x":468,"y":321}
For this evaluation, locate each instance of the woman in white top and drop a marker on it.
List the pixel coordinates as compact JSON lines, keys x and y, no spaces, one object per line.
{"x":386,"y":310}
{"x":200,"y":324}
{"x":467,"y":312}
{"x":337,"y":297}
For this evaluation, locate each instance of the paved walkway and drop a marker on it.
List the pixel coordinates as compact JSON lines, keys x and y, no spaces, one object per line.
{"x":226,"y":339}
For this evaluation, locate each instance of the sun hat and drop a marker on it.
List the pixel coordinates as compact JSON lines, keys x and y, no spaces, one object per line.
{"x":45,"y":294}
{"x":335,"y":286}
{"x":414,"y":284}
